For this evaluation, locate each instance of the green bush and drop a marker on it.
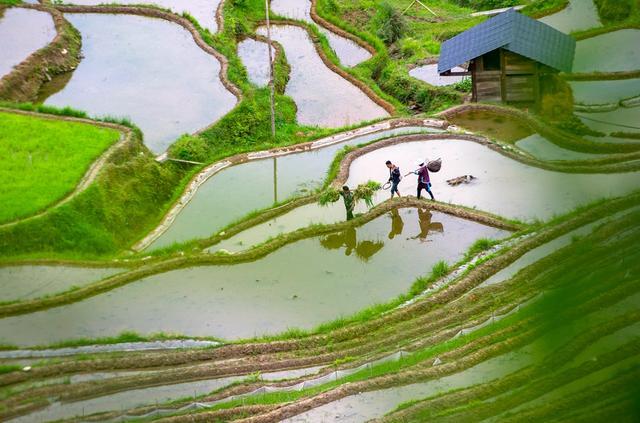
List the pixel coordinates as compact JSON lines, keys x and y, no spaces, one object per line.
{"x":614,"y":10}
{"x":486,"y":4}
{"x":390,"y":24}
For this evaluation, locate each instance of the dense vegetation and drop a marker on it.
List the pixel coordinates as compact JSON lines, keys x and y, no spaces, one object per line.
{"x":43,"y":160}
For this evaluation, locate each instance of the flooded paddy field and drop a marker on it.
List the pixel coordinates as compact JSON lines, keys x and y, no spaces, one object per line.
{"x":491,"y":125}
{"x":622,"y":119}
{"x":543,"y":149}
{"x":262,"y":184}
{"x":625,"y":57}
{"x":254,"y":55}
{"x":300,"y":285}
{"x":430,"y":75}
{"x":204,"y":11}
{"x":604,"y":92}
{"x":27,"y":282}
{"x":334,"y":101}
{"x":348,"y":51}
{"x":23,"y":32}
{"x":579,"y":15}
{"x":525,"y":192}
{"x":146,"y":70}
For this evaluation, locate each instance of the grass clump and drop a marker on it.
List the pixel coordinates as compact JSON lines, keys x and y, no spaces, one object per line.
{"x":613,"y":11}
{"x":44,"y":160}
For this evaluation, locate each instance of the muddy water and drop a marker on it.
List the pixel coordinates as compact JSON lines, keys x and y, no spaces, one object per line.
{"x":492,"y":125}
{"x":148,"y":70}
{"x":323,"y":97}
{"x":543,"y":149}
{"x":619,"y":120}
{"x":625,"y":57}
{"x":369,"y":405}
{"x":254,"y":55}
{"x":349,"y":52}
{"x":256,"y":185}
{"x":300,"y":285}
{"x":604,"y":92}
{"x":503,"y":186}
{"x":579,"y":15}
{"x":27,"y":282}
{"x":204,"y":11}
{"x":22,"y":32}
{"x":430,"y":75}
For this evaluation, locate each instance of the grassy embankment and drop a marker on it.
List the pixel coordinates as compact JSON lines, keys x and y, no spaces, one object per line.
{"x":44,"y":160}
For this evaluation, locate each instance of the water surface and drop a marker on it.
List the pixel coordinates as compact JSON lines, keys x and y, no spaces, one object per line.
{"x":604,"y":92}
{"x":579,"y":15}
{"x":27,"y":282}
{"x":591,"y":52}
{"x":146,"y":69}
{"x":300,"y":285}
{"x":255,"y":57}
{"x":23,"y":32}
{"x":349,"y":52}
{"x":430,"y":75}
{"x":204,"y":11}
{"x":543,"y":149}
{"x":621,"y":119}
{"x":503,"y":186}
{"x":323,"y":97}
{"x":256,"y":185}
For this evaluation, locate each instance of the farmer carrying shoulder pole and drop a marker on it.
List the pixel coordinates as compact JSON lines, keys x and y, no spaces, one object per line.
{"x":394,"y":177}
{"x":349,"y":203}
{"x":424,"y":181}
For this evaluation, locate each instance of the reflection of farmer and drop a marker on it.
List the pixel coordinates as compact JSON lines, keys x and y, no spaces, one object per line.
{"x":348,"y":239}
{"x":394,"y":177}
{"x":349,"y":204}
{"x":396,"y":224}
{"x":424,"y":181}
{"x":424,"y":220}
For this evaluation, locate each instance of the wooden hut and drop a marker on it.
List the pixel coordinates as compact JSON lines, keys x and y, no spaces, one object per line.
{"x":507,"y":56}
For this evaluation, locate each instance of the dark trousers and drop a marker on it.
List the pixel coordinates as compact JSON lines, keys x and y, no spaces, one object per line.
{"x":426,"y":186}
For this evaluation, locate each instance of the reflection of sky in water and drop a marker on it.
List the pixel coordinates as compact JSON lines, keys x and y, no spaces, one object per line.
{"x":23,"y":32}
{"x":146,"y":69}
{"x":591,"y":52}
{"x":323,"y":97}
{"x":349,"y":53}
{"x":299,"y":285}
{"x":602,"y":92}
{"x":255,"y":57}
{"x":238,"y":190}
{"x":430,"y":75}
{"x":503,"y":186}
{"x":577,"y":16}
{"x":204,"y":11}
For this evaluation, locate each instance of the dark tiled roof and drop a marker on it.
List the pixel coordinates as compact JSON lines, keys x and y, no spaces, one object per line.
{"x":514,"y":32}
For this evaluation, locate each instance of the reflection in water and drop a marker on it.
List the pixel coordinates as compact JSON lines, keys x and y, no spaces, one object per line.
{"x":349,"y":239}
{"x":397,"y":224}
{"x":424,"y":220}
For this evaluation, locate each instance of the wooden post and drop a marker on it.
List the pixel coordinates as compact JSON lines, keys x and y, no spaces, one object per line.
{"x":503,"y":78}
{"x":271,"y":83}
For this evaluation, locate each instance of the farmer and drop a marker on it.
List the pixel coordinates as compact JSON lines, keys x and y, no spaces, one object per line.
{"x":423,"y":179}
{"x":394,"y":177}
{"x":349,"y":203}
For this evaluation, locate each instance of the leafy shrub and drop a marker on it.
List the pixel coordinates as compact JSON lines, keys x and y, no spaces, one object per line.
{"x":486,"y":4}
{"x":614,"y":10}
{"x":390,"y":24}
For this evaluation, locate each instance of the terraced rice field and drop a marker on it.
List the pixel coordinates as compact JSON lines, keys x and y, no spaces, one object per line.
{"x":218,"y":282}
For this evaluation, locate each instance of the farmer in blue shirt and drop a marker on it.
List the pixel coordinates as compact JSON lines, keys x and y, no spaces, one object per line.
{"x":394,"y":177}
